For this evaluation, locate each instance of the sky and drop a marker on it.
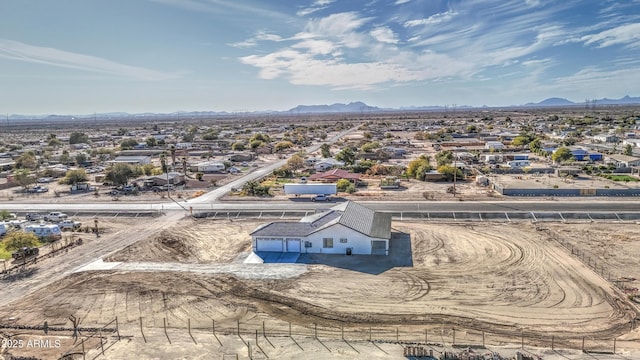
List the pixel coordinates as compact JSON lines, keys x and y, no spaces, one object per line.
{"x":97,"y":56}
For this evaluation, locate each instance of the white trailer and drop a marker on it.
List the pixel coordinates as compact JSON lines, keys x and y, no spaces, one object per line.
{"x":45,"y":231}
{"x":310,"y":189}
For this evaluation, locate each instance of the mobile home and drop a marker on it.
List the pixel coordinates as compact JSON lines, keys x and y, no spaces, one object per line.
{"x":45,"y":231}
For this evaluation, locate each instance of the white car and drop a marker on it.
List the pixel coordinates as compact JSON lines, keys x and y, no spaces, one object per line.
{"x":69,"y":224}
{"x":321,"y":198}
{"x":55,"y":216}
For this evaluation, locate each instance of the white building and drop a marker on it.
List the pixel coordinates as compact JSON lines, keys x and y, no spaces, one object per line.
{"x":326,"y":164}
{"x":347,"y":228}
{"x":44,"y":231}
{"x":518,"y":163}
{"x":494,"y":145}
{"x":208,"y":167}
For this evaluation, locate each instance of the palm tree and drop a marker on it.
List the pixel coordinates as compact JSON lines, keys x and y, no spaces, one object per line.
{"x":163,"y":163}
{"x":172,"y":150}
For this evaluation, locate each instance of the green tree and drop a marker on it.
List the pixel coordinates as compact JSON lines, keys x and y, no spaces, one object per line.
{"x":561,"y":155}
{"x":163,"y":163}
{"x":128,"y":144}
{"x":448,"y":171}
{"x":282,"y":145}
{"x":628,"y":150}
{"x":54,"y":142}
{"x":346,"y":155}
{"x":81,"y":158}
{"x":151,"y":141}
{"x":370,"y":146}
{"x":418,"y":167}
{"x":325,"y":150}
{"x":535,"y":145}
{"x":344,"y":185}
{"x":74,"y":177}
{"x":5,"y":214}
{"x":23,"y":177}
{"x":261,"y":137}
{"x":27,"y":161}
{"x":295,"y":162}
{"x":444,"y":157}
{"x":19,"y":239}
{"x":237,"y":146}
{"x":120,"y":173}
{"x":254,"y":144}
{"x":520,"y":141}
{"x":78,"y":138}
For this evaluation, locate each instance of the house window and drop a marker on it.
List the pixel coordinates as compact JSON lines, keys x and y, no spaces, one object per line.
{"x":343,"y":240}
{"x":327,"y":243}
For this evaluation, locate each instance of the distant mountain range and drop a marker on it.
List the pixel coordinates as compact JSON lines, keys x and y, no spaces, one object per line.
{"x":352,"y":107}
{"x":627,"y":100}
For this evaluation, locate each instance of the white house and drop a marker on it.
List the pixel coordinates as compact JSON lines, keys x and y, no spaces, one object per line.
{"x":518,"y":163}
{"x":326,"y":164}
{"x":208,"y":167}
{"x":347,"y":228}
{"x":132,"y":160}
{"x":493,"y":145}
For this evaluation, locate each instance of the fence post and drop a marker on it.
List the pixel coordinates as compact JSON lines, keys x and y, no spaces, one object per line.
{"x":316,"y":330}
{"x":426,"y":336}
{"x":614,"y":346}
{"x":263,"y":331}
{"x":101,"y":343}
{"x":213,"y":326}
{"x":583,"y":344}
{"x":483,"y":339}
{"x":117,"y":329}
{"x":342,"y":331}
{"x":289,"y":328}
{"x":238,"y":322}
{"x":82,"y":342}
{"x":522,"y":338}
{"x":553,"y":338}
{"x":142,"y":332}
{"x":369,"y":333}
{"x":164,"y":321}
{"x":397,"y":335}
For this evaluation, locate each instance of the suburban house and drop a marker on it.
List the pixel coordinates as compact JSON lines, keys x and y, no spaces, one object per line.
{"x":326,"y":164}
{"x":623,"y":160}
{"x":208,"y":167}
{"x":494,"y":145}
{"x":132,"y":160}
{"x":335,"y":175}
{"x":347,"y":228}
{"x":173,"y":178}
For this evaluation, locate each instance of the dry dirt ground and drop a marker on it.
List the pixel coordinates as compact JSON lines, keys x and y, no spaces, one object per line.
{"x":514,"y":282}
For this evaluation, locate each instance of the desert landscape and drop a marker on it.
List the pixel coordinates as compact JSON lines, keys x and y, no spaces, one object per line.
{"x":444,"y":285}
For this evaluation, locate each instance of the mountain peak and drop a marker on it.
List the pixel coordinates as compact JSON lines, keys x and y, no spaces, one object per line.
{"x":356,"y":106}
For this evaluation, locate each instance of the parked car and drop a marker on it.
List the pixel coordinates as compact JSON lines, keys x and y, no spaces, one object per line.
{"x":321,"y":198}
{"x":34,"y":216}
{"x":55,"y":216}
{"x":38,"y":189}
{"x":46,"y":179}
{"x":69,"y":224}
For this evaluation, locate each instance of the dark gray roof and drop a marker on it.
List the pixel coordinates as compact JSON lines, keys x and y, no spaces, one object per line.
{"x":349,"y":214}
{"x":279,"y":229}
{"x":366,"y":221}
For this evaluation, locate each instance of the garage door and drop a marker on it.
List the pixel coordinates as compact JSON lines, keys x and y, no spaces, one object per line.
{"x":378,"y":247}
{"x":293,"y":245}
{"x":269,"y":245}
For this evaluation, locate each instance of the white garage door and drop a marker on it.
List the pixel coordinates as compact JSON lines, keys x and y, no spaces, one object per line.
{"x":269,"y":245}
{"x":293,"y":245}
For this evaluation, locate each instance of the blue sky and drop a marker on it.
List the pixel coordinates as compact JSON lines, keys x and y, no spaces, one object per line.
{"x":81,"y":57}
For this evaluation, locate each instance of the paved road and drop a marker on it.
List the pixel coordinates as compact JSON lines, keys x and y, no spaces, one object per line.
{"x":572,"y":205}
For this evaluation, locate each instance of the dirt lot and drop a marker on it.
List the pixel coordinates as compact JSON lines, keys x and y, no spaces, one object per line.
{"x":505,"y":280}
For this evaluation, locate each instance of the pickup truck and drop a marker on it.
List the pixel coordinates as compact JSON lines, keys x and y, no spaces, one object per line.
{"x":55,"y":216}
{"x":33,"y":216}
{"x":69,"y":224}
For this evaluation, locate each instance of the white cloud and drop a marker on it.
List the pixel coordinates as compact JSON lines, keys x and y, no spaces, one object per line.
{"x":628,"y":34}
{"x":15,"y":50}
{"x":400,"y":2}
{"x":384,"y":35}
{"x":433,"y":19}
{"x":316,"y":6}
{"x":532,"y":3}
